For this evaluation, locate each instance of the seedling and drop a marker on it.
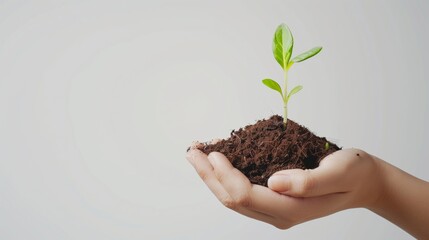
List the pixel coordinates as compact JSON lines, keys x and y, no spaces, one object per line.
{"x":282,"y":50}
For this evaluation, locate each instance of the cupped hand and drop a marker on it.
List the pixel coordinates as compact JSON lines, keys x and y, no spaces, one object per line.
{"x":345,"y":179}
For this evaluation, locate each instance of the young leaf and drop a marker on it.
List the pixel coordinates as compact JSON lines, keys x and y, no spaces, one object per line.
{"x":293,"y":91}
{"x":273,"y":85}
{"x":282,"y":45}
{"x":310,"y":53}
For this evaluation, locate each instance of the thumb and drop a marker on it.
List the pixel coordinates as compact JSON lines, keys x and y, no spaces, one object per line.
{"x":307,"y":183}
{"x":293,"y":182}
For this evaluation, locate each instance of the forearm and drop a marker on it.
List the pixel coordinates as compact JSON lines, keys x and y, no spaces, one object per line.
{"x":403,"y":200}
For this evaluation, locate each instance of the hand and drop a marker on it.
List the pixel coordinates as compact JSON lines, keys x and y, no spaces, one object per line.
{"x":345,"y":179}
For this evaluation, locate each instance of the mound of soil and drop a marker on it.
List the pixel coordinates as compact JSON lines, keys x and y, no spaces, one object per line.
{"x":261,"y":149}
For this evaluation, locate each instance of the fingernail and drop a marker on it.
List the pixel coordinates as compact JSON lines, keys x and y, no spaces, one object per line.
{"x":277,"y":179}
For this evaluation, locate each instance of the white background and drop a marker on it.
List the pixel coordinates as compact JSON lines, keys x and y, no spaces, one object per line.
{"x":100,"y":99}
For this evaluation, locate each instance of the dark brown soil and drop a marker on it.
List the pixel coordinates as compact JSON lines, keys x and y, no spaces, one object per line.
{"x":261,"y":149}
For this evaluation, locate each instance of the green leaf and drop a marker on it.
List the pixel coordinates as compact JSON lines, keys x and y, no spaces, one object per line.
{"x":273,"y":85}
{"x":310,"y":53}
{"x":282,"y":45}
{"x":293,"y":91}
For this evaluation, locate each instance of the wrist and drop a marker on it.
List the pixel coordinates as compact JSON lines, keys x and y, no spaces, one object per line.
{"x":402,"y":200}
{"x":381,"y":181}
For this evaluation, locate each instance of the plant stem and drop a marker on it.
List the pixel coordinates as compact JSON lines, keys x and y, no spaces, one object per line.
{"x":285,"y":100}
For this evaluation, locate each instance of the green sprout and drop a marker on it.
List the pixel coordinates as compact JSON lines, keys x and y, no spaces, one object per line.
{"x":282,"y":50}
{"x":326,"y":146}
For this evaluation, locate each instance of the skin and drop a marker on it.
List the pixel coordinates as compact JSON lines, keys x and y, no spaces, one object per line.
{"x":349,"y":178}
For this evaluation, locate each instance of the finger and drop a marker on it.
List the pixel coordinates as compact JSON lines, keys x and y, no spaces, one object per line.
{"x":243,"y":193}
{"x":237,"y":185}
{"x":204,"y":169}
{"x":332,"y":176}
{"x":234,"y":182}
{"x":305,"y":183}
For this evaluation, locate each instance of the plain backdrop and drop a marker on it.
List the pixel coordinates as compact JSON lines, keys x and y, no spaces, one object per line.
{"x":100,"y":99}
